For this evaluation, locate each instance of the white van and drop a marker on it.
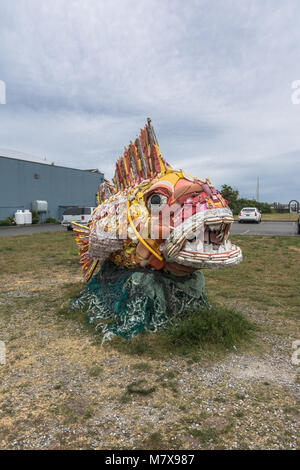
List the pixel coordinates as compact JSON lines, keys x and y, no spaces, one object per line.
{"x":80,"y":215}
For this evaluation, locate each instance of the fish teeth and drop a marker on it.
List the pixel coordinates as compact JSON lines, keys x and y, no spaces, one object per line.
{"x":199,"y":246}
{"x":228,"y":245}
{"x":189,"y":246}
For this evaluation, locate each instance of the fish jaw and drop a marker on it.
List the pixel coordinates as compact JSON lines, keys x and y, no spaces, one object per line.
{"x":201,"y":241}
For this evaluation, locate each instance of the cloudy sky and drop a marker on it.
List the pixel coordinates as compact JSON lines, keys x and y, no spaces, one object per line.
{"x":215,"y":76}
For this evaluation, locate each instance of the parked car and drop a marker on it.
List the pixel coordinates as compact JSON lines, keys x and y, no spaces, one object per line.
{"x":298,"y":224}
{"x":250,"y":214}
{"x":81,"y":215}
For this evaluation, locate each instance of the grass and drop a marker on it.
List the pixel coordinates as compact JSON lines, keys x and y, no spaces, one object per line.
{"x":205,"y":435}
{"x":140,"y":387}
{"x":255,"y":282}
{"x":218,"y":326}
{"x":142,"y":366}
{"x":29,"y":253}
{"x":214,"y":330}
{"x":95,"y":371}
{"x":285,"y":217}
{"x":270,"y":268}
{"x":278,"y":216}
{"x":267,"y":278}
{"x":59,"y":383}
{"x":137,"y":388}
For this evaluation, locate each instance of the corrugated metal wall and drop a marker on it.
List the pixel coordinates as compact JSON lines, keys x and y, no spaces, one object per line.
{"x":22,"y":182}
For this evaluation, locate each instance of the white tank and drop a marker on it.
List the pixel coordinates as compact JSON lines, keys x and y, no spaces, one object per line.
{"x":27,"y":217}
{"x":19,"y":217}
{"x":39,"y":206}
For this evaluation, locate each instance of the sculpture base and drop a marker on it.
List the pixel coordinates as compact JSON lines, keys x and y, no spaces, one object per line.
{"x":125,"y":302}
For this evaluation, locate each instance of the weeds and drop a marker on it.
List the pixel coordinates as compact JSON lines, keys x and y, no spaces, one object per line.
{"x":205,"y":435}
{"x":140,"y":388}
{"x":142,"y":366}
{"x":95,"y":371}
{"x":215,"y":330}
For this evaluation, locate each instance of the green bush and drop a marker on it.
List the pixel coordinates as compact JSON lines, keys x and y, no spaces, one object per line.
{"x":51,"y":220}
{"x":4,"y":223}
{"x":35,"y":217}
{"x":263,"y":207}
{"x":7,"y":222}
{"x":236,"y":204}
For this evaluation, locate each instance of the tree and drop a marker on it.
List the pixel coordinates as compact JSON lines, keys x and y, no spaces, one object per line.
{"x":230,"y":194}
{"x":236,"y":204}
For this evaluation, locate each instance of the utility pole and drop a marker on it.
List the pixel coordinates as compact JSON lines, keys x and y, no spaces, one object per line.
{"x":257,"y":189}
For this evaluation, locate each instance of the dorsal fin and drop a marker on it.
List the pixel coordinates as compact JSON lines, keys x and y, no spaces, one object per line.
{"x":141,"y":160}
{"x":105,"y":190}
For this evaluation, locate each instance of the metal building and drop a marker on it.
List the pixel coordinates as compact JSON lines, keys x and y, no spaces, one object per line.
{"x":25,"y":178}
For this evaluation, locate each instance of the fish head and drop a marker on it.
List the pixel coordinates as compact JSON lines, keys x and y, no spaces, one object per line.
{"x":188,"y":224}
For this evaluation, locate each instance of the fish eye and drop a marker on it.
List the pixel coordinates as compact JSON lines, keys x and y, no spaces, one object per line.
{"x":157,"y":201}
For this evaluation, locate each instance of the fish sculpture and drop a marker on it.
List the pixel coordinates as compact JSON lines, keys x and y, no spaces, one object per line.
{"x":155,"y":217}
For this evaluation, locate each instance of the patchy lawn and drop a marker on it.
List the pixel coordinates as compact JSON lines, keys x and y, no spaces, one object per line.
{"x":280,"y":216}
{"x":60,"y":389}
{"x":285,"y":216}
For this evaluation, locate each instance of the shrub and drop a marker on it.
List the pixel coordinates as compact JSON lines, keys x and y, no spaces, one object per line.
{"x":35,"y":217}
{"x":263,"y":207}
{"x":7,"y":222}
{"x":51,"y":220}
{"x":236,"y":204}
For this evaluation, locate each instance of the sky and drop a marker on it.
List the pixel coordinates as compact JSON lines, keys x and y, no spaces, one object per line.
{"x":215,"y":77}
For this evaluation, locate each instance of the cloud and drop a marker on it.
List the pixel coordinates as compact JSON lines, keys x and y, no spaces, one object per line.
{"x":82,"y":76}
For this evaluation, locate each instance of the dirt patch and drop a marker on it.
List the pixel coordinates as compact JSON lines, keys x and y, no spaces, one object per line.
{"x":248,"y":367}
{"x":295,"y":248}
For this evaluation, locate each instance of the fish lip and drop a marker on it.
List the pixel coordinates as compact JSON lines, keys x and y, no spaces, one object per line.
{"x":174,"y":247}
{"x":210,"y":260}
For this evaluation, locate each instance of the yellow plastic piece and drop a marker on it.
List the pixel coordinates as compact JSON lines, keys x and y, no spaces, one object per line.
{"x":138,"y":235}
{"x":92,"y":269}
{"x":81,"y":226}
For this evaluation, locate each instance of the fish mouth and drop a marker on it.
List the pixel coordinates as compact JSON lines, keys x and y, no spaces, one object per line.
{"x":201,"y":241}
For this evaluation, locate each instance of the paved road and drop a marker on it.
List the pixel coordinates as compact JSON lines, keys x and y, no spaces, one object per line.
{"x":28,"y":230}
{"x":265,"y":228}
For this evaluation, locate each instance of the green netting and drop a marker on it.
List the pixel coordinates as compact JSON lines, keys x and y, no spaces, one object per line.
{"x":125,"y":302}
